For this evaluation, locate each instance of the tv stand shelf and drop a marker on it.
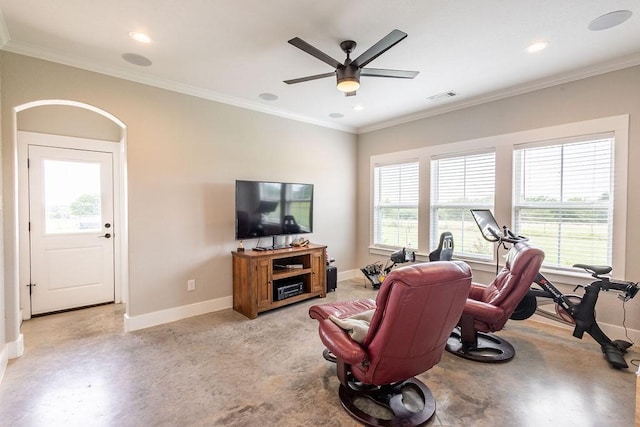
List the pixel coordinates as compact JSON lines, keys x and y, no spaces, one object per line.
{"x":257,"y":275}
{"x":290,"y":273}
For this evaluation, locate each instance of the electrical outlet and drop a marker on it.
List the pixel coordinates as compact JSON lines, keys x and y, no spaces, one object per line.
{"x":191,"y":284}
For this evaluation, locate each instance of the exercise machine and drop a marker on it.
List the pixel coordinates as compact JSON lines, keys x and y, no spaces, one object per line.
{"x":376,"y":272}
{"x":571,"y":309}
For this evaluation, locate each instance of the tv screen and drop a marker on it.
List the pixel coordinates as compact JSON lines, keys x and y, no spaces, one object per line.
{"x":272,"y":209}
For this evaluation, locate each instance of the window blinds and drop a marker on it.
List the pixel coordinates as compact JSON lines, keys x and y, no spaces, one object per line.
{"x":396,"y":193}
{"x":563,"y":199}
{"x":459,"y":184}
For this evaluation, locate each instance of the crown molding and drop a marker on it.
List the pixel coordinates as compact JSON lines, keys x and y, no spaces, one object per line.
{"x":4,"y":32}
{"x":24,"y":49}
{"x":598,"y":69}
{"x":138,"y":77}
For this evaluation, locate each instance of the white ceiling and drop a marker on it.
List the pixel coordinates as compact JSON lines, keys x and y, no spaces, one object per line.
{"x":234,"y":51}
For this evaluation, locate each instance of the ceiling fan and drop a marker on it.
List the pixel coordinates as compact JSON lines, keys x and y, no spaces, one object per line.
{"x":348,"y":74}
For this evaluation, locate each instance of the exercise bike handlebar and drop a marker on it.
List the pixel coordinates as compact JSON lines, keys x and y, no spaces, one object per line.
{"x":628,"y":289}
{"x":507,"y":235}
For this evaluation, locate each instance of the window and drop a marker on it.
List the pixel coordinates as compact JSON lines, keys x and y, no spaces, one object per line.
{"x":72,"y":199}
{"x":563,"y":199}
{"x":563,"y":186}
{"x":395,"y":205}
{"x":459,"y":184}
{"x":299,"y":204}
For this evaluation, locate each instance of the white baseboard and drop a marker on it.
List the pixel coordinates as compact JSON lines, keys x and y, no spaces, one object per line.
{"x":16,"y":348}
{"x":134,"y":323}
{"x":4,"y":359}
{"x":10,"y":350}
{"x":349,"y":274}
{"x":614,"y":332}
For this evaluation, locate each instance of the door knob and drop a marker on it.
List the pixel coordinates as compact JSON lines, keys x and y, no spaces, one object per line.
{"x":106,"y":236}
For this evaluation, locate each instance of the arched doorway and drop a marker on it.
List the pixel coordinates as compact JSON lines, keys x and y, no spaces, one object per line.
{"x":78,"y":122}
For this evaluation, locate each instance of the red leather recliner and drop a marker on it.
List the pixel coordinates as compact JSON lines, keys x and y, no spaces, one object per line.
{"x":416,"y":308}
{"x":489,"y":307}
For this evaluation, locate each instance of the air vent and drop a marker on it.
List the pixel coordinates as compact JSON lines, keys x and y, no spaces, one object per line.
{"x":443,"y":95}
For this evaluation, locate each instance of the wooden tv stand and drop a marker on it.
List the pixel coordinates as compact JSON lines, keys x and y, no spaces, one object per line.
{"x":258,"y":274}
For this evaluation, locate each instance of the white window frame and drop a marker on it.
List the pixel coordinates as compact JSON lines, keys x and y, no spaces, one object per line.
{"x":373,"y":198}
{"x":563,"y":203}
{"x":503,"y":145}
{"x":433,"y":234}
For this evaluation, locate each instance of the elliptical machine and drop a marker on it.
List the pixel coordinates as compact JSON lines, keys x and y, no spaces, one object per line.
{"x":571,"y":309}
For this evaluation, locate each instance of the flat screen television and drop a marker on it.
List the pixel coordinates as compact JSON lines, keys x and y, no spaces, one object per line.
{"x":265,"y":209}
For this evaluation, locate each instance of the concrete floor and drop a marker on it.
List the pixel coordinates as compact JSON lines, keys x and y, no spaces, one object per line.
{"x":222,"y":369}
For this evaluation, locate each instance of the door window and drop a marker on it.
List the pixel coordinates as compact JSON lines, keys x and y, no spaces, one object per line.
{"x":72,"y":197}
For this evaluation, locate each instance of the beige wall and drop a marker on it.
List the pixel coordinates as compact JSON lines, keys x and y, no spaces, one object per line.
{"x":68,"y":121}
{"x":611,"y":94}
{"x":184,"y":155}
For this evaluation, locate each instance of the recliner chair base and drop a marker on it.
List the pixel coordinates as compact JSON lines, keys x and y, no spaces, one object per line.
{"x":328,"y":356}
{"x":409,"y":403}
{"x":487,"y":348}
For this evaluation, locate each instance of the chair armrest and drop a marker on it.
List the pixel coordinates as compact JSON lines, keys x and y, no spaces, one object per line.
{"x":340,"y":343}
{"x":482,"y":311}
{"x":341,"y":309}
{"x":476,"y":291}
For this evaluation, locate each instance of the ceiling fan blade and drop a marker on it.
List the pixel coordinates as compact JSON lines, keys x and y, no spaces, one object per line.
{"x":306,"y":79}
{"x":303,"y":45}
{"x":396,"y":74}
{"x":387,"y":42}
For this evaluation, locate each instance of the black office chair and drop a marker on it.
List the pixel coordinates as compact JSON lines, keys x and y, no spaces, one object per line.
{"x":444,"y":251}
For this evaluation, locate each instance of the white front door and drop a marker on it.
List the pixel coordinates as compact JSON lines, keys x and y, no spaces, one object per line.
{"x":71,"y":228}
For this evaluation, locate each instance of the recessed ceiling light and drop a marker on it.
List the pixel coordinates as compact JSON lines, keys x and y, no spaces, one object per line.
{"x":609,"y":20}
{"x":537,"y":46}
{"x":336,"y":115}
{"x":135,"y":59}
{"x":268,"y":96}
{"x":140,"y":37}
{"x":358,"y":107}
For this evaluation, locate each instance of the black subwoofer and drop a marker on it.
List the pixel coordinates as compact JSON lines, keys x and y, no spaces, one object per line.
{"x":332,"y":278}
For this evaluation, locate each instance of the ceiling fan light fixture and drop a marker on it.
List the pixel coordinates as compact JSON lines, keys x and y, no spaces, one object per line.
{"x":348,"y":78}
{"x":348,"y":73}
{"x":348,"y":84}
